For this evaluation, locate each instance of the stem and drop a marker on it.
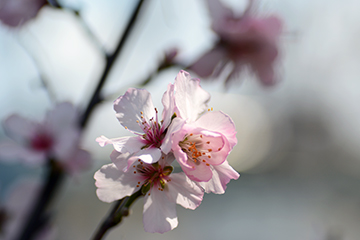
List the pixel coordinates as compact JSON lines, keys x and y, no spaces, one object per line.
{"x":110,"y":60}
{"x":109,"y":221}
{"x":119,"y":210}
{"x":35,"y":219}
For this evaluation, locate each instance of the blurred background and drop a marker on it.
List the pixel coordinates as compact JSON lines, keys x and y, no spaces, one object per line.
{"x":297,"y":150}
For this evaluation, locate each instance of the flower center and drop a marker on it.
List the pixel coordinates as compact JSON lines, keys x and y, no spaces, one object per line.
{"x":41,"y":142}
{"x":153,"y":130}
{"x":151,"y":175}
{"x":195,"y":147}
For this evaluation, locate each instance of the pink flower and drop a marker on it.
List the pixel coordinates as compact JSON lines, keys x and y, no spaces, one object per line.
{"x":15,"y":13}
{"x":56,"y":137}
{"x":201,"y":148}
{"x":135,"y":111}
{"x":162,"y":188}
{"x":245,"y":41}
{"x":16,"y":209}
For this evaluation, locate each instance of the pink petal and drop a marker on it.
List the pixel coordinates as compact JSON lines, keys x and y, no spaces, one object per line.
{"x":129,"y":106}
{"x":113,"y":184}
{"x":207,"y":63}
{"x":11,"y":151}
{"x":184,"y":191}
{"x":199,"y":173}
{"x":16,"y":12}
{"x":66,"y":142}
{"x":159,"y":213}
{"x":78,"y":161}
{"x":264,"y":70}
{"x":63,"y":116}
{"x":222,"y":175}
{"x":190,"y":98}
{"x":218,"y":11}
{"x":18,"y":128}
{"x":218,"y":122}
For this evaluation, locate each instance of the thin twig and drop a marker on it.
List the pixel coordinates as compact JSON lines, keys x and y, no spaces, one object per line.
{"x":116,"y":215}
{"x":110,"y":60}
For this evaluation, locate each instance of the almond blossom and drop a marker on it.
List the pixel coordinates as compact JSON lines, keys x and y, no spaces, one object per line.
{"x":247,"y":40}
{"x":57,"y":137}
{"x":201,"y":148}
{"x":15,"y":13}
{"x":162,"y":188}
{"x":135,"y":111}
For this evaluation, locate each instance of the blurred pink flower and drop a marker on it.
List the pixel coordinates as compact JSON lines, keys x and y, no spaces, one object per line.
{"x":245,"y":41}
{"x":57,"y":137}
{"x":15,"y":13}
{"x":162,"y":188}
{"x":17,"y":207}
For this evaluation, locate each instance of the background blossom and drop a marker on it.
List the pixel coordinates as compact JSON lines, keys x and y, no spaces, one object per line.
{"x":247,"y":40}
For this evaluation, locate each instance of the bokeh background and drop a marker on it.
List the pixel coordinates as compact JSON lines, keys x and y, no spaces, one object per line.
{"x":298,"y":142}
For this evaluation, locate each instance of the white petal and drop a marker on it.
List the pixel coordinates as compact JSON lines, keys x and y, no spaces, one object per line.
{"x":168,"y":102}
{"x":129,"y":106}
{"x":159,"y":212}
{"x":122,"y":144}
{"x":184,"y":191}
{"x":148,"y":155}
{"x":113,"y":184}
{"x":190,"y":98}
{"x":222,"y":175}
{"x":121,"y":160}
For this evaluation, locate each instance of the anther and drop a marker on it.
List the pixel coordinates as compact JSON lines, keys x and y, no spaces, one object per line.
{"x":134,"y":171}
{"x":204,"y":160}
{"x":208,"y":142}
{"x":209,"y":156}
{"x":126,"y":127}
{"x":207,"y":164}
{"x":210,"y":150}
{"x":137,"y":186}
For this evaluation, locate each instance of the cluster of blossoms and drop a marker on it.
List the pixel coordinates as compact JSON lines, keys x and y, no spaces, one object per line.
{"x":197,"y":139}
{"x":245,"y":41}
{"x":57,"y":137}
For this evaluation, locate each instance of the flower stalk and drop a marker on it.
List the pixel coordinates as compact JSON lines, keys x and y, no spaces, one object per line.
{"x":119,"y":210}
